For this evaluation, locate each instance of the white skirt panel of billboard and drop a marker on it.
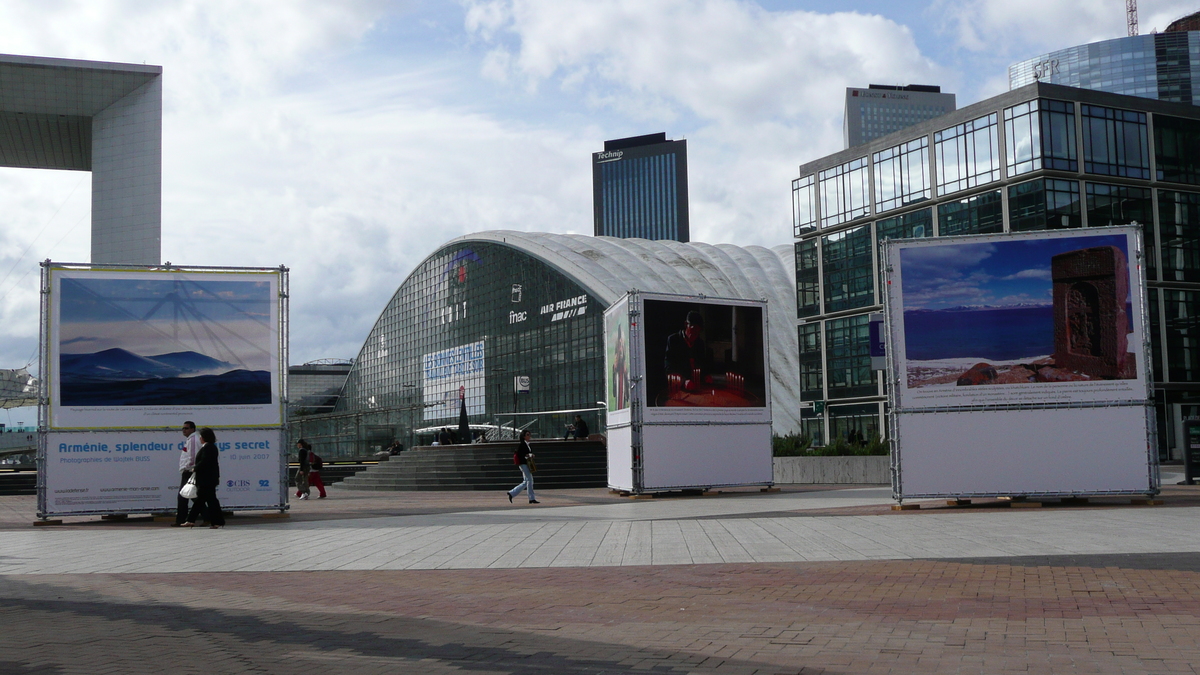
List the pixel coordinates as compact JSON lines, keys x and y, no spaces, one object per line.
{"x":706,"y":455}
{"x":149,"y":348}
{"x":690,"y":375}
{"x":1020,"y":319}
{"x":138,"y":471}
{"x":1058,"y":451}
{"x":620,"y":458}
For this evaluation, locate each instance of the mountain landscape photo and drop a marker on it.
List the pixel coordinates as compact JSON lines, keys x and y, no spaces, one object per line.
{"x":118,"y":377}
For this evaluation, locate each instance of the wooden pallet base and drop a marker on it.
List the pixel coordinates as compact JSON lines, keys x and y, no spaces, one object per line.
{"x":906,"y":507}
{"x":43,"y":523}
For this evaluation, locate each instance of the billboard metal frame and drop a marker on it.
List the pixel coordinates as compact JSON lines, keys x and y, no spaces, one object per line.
{"x":44,"y":355}
{"x":895,"y":412}
{"x":633,"y":301}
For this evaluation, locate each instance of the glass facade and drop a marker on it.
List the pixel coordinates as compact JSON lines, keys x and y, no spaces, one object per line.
{"x":1114,"y":142}
{"x":847,"y":268}
{"x":1044,"y":204}
{"x":491,"y":312}
{"x":908,"y":226}
{"x":1040,"y":134}
{"x":1163,"y":66}
{"x":1183,"y":335}
{"x":902,"y":175}
{"x":968,"y":155}
{"x":980,"y":214}
{"x":844,"y":190}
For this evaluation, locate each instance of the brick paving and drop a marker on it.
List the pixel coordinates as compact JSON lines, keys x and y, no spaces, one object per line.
{"x":1097,"y":613}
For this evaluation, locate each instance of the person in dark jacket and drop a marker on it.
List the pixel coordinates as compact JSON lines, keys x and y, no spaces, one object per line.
{"x":686,"y":359}
{"x":208,"y":477}
{"x":302,"y":450}
{"x":315,"y":464}
{"x":521,"y":457}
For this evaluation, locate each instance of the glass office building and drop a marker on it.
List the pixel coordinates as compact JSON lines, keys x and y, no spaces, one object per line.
{"x":489,"y":308}
{"x":639,"y":189}
{"x":1165,"y":66}
{"x":1039,"y":157}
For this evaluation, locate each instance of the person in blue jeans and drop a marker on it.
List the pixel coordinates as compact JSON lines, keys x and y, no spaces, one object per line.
{"x":521,"y":458}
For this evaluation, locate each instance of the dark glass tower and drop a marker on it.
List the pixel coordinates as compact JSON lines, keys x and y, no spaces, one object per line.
{"x":639,"y":188}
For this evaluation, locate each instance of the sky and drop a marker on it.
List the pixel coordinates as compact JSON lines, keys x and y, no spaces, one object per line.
{"x":994,"y":274}
{"x":348,"y":140}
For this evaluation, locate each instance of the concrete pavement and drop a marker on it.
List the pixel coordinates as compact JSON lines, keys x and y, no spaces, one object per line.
{"x":801,"y":581}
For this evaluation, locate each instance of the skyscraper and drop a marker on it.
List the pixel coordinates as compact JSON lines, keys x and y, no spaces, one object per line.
{"x":639,"y":188}
{"x":882,"y":109}
{"x":1165,"y":65}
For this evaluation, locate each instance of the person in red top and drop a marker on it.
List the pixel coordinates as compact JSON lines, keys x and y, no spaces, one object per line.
{"x":315,"y":464}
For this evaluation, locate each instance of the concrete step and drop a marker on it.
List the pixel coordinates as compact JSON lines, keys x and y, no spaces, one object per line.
{"x":561,"y":464}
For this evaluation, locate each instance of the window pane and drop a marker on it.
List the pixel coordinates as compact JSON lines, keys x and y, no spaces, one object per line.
{"x":1044,"y":204}
{"x":848,"y":353}
{"x":807,"y":279}
{"x":981,"y":214}
{"x":968,"y":155}
{"x":811,"y":381}
{"x":1115,"y":142}
{"x":902,"y":175}
{"x":848,"y":270}
{"x":844,"y":192}
{"x":804,"y":205}
{"x":908,"y":226}
{"x":1022,"y":138}
{"x":1177,"y":149}
{"x":1179,"y":227}
{"x":1183,"y":335}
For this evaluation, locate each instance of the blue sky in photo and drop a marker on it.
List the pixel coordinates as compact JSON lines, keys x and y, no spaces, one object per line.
{"x":997,"y":273}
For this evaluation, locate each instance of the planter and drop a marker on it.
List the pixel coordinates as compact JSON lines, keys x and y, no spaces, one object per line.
{"x":874,"y":470}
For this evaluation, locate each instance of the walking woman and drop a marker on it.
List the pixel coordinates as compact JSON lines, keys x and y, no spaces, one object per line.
{"x":208,"y":476}
{"x":521,"y":458}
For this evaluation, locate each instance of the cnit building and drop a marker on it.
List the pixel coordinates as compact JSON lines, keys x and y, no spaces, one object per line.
{"x":1041,"y":156}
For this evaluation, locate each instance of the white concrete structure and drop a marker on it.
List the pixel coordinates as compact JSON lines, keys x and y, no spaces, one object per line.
{"x":92,"y":116}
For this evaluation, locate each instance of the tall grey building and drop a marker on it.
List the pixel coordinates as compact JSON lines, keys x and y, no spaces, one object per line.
{"x":882,"y":109}
{"x":1165,"y":65}
{"x":1039,"y":157}
{"x":640,"y":189}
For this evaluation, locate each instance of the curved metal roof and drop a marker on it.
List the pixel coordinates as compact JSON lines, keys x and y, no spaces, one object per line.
{"x":608,"y":267}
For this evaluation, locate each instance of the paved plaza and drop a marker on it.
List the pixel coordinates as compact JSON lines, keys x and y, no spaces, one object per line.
{"x":806,"y":580}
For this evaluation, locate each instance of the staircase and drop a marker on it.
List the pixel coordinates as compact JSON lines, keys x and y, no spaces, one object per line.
{"x":18,"y":483}
{"x":486,"y":466}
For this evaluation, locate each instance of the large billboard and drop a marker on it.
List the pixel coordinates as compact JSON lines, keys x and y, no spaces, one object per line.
{"x":451,"y":375}
{"x":1019,"y":319}
{"x":688,"y":401}
{"x":151,"y":348}
{"x":138,"y":471}
{"x":703,"y":355}
{"x":1020,"y":365}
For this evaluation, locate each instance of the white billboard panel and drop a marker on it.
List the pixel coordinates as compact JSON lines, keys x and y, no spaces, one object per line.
{"x":1015,"y":452}
{"x":1017,"y":319}
{"x":138,"y":471}
{"x":150,"y":348}
{"x":453,"y":374}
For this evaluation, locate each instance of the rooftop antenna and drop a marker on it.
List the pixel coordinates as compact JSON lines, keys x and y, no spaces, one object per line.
{"x":1131,"y":16}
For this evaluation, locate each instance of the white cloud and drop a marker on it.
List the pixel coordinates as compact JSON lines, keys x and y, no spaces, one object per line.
{"x":1022,"y":29}
{"x":722,"y":60}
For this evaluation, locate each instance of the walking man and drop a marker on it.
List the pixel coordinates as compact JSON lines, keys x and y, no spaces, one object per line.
{"x":187,"y":464}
